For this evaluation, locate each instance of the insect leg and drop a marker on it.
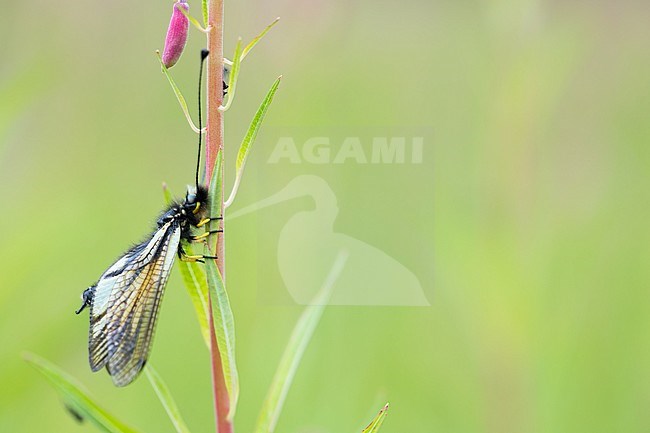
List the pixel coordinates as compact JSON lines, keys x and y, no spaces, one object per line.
{"x":195,"y":258}
{"x":207,"y":220}
{"x":181,"y":252}
{"x":205,"y":235}
{"x":186,"y":258}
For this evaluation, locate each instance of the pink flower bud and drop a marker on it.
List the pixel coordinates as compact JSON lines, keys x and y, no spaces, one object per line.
{"x":176,"y":34}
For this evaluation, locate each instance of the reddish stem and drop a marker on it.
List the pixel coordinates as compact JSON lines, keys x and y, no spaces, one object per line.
{"x":214,"y":135}
{"x":214,"y":144}
{"x":220,"y":392}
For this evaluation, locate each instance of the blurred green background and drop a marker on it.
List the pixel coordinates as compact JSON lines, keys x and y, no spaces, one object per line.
{"x":527,"y":222}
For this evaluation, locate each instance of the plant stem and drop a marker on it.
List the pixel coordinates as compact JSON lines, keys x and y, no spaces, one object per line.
{"x":220,"y":392}
{"x":214,"y":136}
{"x":214,"y":144}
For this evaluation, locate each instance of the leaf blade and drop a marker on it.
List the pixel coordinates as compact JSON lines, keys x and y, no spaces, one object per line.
{"x":294,"y":350}
{"x":222,"y":315}
{"x":76,"y":398}
{"x":204,"y":11}
{"x":234,"y":75}
{"x":167,"y":194}
{"x":195,"y":283}
{"x":225,"y":331}
{"x":257,"y":38}
{"x":374,"y":425}
{"x":249,"y":139}
{"x":179,"y":95}
{"x":192,"y":20}
{"x":165,"y":397}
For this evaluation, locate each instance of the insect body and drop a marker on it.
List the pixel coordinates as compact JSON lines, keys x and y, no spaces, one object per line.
{"x":125,"y":300}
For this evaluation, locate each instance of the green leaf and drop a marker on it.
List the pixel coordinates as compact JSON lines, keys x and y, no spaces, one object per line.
{"x":249,"y":139}
{"x":192,"y":20}
{"x":75,"y":398}
{"x":215,"y":192}
{"x":225,"y":329}
{"x":177,"y":92}
{"x":234,"y":74}
{"x":292,"y":355}
{"x":167,"y":194}
{"x":373,"y":427}
{"x":224,"y":323}
{"x":204,"y":10}
{"x":165,"y":397}
{"x":195,"y":282}
{"x":197,"y":287}
{"x":257,"y":38}
{"x":255,"y":125}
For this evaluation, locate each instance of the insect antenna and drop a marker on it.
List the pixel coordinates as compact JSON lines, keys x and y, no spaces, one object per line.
{"x":204,"y":54}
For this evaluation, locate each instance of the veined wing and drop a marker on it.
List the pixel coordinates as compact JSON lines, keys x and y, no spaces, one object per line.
{"x":125,"y":304}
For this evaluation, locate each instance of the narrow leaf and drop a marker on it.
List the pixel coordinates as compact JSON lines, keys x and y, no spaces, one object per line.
{"x":167,"y":194}
{"x":234,"y":74}
{"x":204,"y":9}
{"x":197,"y":287}
{"x":292,"y":355}
{"x":177,"y":92}
{"x":195,"y":282}
{"x":373,"y":427}
{"x":249,"y":139}
{"x":225,"y":329}
{"x":222,"y":316}
{"x":257,"y":38}
{"x":76,"y":399}
{"x":165,"y":397}
{"x":192,"y":20}
{"x":255,"y":125}
{"x":215,"y":192}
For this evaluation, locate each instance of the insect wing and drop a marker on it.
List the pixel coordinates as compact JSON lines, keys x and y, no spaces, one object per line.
{"x":125,"y":304}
